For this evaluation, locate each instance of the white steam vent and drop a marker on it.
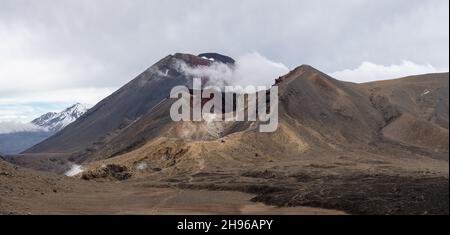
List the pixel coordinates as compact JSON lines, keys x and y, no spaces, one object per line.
{"x":74,"y":170}
{"x":141,"y":166}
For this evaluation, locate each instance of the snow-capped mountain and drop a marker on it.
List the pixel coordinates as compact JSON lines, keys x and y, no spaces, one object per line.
{"x":16,"y":137}
{"x":56,"y":121}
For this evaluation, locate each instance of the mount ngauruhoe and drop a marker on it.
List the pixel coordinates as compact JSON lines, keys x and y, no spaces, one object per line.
{"x":371,"y":148}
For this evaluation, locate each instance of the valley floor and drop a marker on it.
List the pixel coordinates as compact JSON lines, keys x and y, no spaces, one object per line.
{"x":120,"y":198}
{"x":378,"y":194}
{"x":350,"y":184}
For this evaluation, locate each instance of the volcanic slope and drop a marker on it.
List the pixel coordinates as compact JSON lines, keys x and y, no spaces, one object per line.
{"x":332,"y":145}
{"x":321,"y":119}
{"x":123,"y":107}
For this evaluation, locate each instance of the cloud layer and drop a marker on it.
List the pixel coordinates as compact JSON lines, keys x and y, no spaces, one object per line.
{"x":77,"y":51}
{"x":12,"y":127}
{"x":368,"y":71}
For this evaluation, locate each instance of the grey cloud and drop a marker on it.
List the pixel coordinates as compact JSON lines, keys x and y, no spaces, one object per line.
{"x":125,"y":37}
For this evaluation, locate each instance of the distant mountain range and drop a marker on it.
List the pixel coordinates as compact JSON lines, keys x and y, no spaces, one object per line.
{"x":16,"y":137}
{"x":54,"y":122}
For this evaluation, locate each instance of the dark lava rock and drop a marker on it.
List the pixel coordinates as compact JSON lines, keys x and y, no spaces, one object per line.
{"x":111,"y":171}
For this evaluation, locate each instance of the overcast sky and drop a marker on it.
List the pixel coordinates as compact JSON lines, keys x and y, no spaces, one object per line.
{"x":55,"y":52}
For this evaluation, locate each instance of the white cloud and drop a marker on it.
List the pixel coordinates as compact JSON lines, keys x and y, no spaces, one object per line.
{"x":254,"y":69}
{"x":12,"y":127}
{"x":368,"y":71}
{"x":20,"y":112}
{"x":249,"y":69}
{"x":218,"y":74}
{"x":88,"y":95}
{"x":26,"y":106}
